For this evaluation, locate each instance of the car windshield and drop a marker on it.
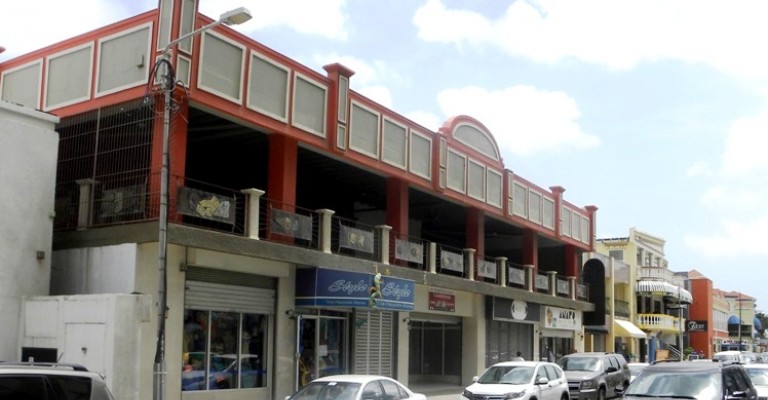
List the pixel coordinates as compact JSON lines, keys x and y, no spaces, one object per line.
{"x":327,"y":391}
{"x":701,"y":386}
{"x":511,"y":375}
{"x":759,"y":376}
{"x":590,"y":364}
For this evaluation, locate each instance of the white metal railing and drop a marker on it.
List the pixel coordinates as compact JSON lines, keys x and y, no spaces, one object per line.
{"x":656,"y":322}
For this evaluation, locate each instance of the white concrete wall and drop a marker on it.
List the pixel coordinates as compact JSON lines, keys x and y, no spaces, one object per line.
{"x":92,"y":270}
{"x":28,"y":153}
{"x":100,"y":332}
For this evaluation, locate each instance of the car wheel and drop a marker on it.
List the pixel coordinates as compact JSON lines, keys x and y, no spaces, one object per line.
{"x":564,"y":396}
{"x":601,"y":394}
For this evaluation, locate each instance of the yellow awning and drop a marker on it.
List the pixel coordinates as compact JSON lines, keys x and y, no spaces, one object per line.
{"x":624,"y":328}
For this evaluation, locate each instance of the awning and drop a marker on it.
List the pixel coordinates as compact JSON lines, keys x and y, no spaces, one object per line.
{"x":666,"y":288}
{"x":624,"y":328}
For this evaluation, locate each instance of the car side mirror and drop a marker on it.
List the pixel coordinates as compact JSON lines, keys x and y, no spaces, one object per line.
{"x":475,"y":378}
{"x":542,"y":381}
{"x":611,"y":369}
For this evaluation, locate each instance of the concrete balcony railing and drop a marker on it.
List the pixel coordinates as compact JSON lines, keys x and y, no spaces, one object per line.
{"x":658,"y":273}
{"x":659,"y":322}
{"x":248,"y":213}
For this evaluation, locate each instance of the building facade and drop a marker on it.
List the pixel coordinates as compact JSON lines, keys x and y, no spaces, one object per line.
{"x":311,"y":231}
{"x":28,"y":144}
{"x":661,"y":297}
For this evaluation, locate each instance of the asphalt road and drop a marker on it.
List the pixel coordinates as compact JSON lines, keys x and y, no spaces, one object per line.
{"x":453,"y":396}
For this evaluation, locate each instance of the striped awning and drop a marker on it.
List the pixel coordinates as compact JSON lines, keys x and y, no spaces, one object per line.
{"x":666,"y":288}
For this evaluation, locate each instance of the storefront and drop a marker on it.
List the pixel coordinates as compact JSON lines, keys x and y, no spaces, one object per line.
{"x":345,"y":322}
{"x":558,"y":328}
{"x":228,"y":325}
{"x":510,"y":330}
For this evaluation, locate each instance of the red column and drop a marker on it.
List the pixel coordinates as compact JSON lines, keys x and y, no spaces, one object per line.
{"x":571,"y":261}
{"x":338,"y":103}
{"x":283,"y":156}
{"x":397,"y":206}
{"x":530,"y":248}
{"x":476,"y":233}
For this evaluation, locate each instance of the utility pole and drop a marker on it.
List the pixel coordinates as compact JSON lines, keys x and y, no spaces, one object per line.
{"x":740,"y":322}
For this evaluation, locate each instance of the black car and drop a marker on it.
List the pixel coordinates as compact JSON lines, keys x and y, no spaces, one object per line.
{"x":692,"y":380}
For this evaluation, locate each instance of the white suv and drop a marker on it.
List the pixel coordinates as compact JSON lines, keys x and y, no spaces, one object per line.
{"x":50,"y":381}
{"x":519,"y":380}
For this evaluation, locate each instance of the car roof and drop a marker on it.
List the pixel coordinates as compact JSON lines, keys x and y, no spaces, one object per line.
{"x":522,"y":363}
{"x":351,"y":378}
{"x":7,"y":368}
{"x":686,"y":366}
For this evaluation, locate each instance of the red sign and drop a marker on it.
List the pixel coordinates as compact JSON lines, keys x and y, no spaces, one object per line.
{"x":442,"y":301}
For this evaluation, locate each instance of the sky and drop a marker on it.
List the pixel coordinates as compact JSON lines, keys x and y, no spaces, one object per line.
{"x":655,"y":111}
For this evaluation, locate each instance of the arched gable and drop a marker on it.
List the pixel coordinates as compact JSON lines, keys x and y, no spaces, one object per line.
{"x":473,"y":134}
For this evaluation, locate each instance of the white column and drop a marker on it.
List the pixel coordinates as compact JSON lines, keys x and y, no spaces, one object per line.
{"x":253,"y":201}
{"x":324,"y":230}
{"x":501,"y":265}
{"x":470,"y":263}
{"x":529,"y":278}
{"x":552,"y":282}
{"x":432,"y":263}
{"x":384,"y":244}
{"x":85,"y":202}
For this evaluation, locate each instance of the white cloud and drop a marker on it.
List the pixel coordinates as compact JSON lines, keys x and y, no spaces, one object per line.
{"x":617,"y":34}
{"x":379,"y":94}
{"x":523,"y":119}
{"x":699,"y":168}
{"x":723,"y":197}
{"x":737,"y":237}
{"x":425,"y":119}
{"x":43,"y":25}
{"x":311,"y":17}
{"x":745,"y":147}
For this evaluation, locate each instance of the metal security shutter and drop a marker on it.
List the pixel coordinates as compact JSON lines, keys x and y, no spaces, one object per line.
{"x":373,"y":343}
{"x":216,"y":290}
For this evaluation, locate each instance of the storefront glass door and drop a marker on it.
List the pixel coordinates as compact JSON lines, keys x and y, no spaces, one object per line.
{"x":321,"y":347}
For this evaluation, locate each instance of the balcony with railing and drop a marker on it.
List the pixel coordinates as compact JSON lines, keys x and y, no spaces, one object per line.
{"x":659,"y":323}
{"x":248,"y":213}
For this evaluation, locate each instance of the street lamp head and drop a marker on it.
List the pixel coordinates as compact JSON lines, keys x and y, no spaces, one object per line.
{"x":236,"y":16}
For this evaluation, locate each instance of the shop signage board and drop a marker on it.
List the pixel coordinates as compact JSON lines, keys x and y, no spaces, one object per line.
{"x":323,"y":287}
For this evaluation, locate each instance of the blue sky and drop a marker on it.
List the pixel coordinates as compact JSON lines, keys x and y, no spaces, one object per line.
{"x":654,"y":111}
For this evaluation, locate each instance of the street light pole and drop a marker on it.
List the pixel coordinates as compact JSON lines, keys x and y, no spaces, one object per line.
{"x":739,"y":302}
{"x":168,"y":84}
{"x":680,"y":319}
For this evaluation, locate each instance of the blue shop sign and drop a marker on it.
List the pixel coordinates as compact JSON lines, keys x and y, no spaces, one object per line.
{"x":321,"y":287}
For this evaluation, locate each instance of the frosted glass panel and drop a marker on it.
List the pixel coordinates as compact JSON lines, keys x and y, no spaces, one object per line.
{"x":494,"y":188}
{"x":22,"y":86}
{"x":534,"y":204}
{"x":548,"y":214}
{"x":221,"y":67}
{"x":476,"y":181}
{"x":457,"y":170}
{"x":69,"y":77}
{"x":309,"y":106}
{"x":421,"y":156}
{"x":268,"y":88}
{"x":394,"y":144}
{"x":364,"y":134}
{"x":520,"y":200}
{"x":124,"y":61}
